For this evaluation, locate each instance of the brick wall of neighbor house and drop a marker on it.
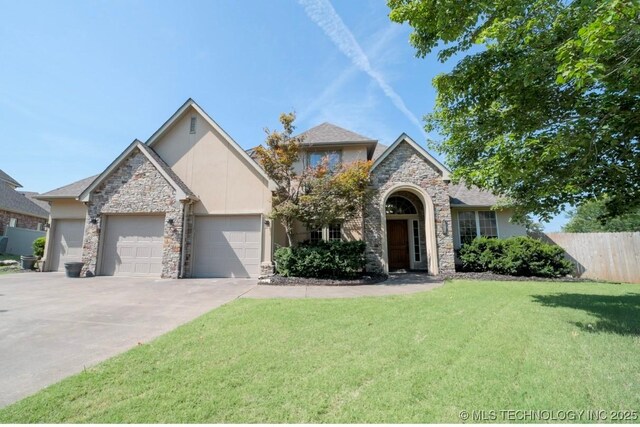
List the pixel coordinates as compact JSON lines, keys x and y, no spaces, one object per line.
{"x":22,"y":221}
{"x":135,"y":187}
{"x":405,"y":165}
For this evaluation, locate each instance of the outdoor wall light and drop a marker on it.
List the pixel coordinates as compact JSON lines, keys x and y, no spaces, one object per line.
{"x":445,"y":227}
{"x":47,"y":226}
{"x":93,"y":220}
{"x":267,"y":222}
{"x":170,"y":221}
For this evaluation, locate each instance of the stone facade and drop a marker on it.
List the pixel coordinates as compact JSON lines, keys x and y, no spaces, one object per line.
{"x":136,"y":187}
{"x":22,"y":221}
{"x":405,"y":166}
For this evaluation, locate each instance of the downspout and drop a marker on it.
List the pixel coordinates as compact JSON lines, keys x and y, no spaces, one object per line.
{"x":183,"y":254}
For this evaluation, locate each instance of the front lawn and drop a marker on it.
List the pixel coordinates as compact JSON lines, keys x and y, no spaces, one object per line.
{"x":421,"y":358}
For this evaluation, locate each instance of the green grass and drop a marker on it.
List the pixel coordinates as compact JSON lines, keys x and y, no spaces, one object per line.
{"x":418,"y":358}
{"x":6,"y":268}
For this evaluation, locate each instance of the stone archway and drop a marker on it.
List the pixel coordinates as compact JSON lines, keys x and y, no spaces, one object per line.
{"x":426,"y":226}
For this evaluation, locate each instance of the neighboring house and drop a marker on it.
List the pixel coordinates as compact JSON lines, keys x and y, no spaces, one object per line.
{"x":190,"y":202}
{"x":17,"y":209}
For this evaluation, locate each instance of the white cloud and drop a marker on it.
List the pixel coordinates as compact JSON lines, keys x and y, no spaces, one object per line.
{"x":324,"y":15}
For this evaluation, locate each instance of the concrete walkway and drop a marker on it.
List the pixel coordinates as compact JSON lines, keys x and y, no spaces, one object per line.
{"x":397,"y":284}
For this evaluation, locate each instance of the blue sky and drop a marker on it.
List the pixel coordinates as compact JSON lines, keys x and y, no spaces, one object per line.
{"x":80,"y":80}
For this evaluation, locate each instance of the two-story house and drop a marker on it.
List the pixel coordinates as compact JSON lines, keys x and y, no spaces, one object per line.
{"x":190,"y":202}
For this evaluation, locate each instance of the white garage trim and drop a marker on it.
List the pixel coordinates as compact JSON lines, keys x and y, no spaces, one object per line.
{"x":227,"y":246}
{"x":66,"y":243}
{"x":132,"y":245}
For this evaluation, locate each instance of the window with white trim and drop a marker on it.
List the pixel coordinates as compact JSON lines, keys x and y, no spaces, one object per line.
{"x":315,"y":158}
{"x":334,"y":232}
{"x":39,"y":228}
{"x":329,"y":234}
{"x":315,"y":235}
{"x":472,"y":224}
{"x":416,"y":240}
{"x":13,"y":222}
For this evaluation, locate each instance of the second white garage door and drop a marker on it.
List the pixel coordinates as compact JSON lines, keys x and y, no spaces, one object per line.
{"x":133,"y":246}
{"x":227,"y":246}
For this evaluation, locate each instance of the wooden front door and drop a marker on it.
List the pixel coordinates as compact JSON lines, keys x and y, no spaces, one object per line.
{"x":398,"y":244}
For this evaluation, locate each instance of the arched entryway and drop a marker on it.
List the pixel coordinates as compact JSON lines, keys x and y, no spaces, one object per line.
{"x":408,"y":226}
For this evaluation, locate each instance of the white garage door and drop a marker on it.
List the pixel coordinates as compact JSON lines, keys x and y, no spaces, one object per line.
{"x":133,"y":246}
{"x":67,"y":243}
{"x":227,"y":246}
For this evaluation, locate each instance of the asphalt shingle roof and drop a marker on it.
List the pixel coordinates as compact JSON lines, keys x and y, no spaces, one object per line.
{"x":460,"y":195}
{"x":31,"y":196}
{"x":5,"y":177}
{"x":72,"y":190}
{"x":327,"y":133}
{"x":14,"y":201}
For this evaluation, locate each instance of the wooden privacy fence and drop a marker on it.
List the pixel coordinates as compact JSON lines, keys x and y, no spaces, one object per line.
{"x":603,"y":256}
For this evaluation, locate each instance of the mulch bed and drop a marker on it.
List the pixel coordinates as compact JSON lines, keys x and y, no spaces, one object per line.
{"x":278,"y":280}
{"x":501,"y":277}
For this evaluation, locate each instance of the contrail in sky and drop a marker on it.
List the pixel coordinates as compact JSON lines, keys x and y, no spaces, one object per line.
{"x":324,"y":15}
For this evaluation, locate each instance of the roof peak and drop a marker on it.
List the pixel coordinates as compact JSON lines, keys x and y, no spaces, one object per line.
{"x":9,"y":179}
{"x":326,"y":133}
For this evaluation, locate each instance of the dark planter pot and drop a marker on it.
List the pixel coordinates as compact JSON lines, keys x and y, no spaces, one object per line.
{"x":27,"y":262}
{"x":73,"y":268}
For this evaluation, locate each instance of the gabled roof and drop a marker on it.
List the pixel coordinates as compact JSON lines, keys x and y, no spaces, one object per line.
{"x":328,"y":133}
{"x":13,"y":201}
{"x":31,"y":195}
{"x":424,"y":153}
{"x":182,"y":191}
{"x":461,"y":195}
{"x":71,"y":191}
{"x":190,"y":103}
{"x":6,"y":178}
{"x":380,"y":148}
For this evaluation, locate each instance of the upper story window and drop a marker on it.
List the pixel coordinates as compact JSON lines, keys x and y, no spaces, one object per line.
{"x":398,"y":205}
{"x":473,"y":224}
{"x":315,"y":158}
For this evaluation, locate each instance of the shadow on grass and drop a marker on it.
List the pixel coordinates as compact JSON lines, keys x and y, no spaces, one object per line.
{"x":616,"y":314}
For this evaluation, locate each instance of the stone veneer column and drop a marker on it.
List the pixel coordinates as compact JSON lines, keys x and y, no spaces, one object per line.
{"x":406,"y":166}
{"x":136,"y":187}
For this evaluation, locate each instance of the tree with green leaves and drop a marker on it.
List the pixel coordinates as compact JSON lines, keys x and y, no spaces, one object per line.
{"x":589,"y":218}
{"x":315,"y":196}
{"x":544,"y":106}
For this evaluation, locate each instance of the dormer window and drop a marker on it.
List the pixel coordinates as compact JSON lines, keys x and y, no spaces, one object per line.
{"x":315,"y":158}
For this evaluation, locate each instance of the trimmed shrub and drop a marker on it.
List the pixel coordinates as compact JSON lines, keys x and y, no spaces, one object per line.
{"x":323,"y":260}
{"x":38,"y":246}
{"x":515,"y":256}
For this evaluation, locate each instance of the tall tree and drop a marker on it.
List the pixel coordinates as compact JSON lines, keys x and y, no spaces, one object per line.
{"x":589,"y":218}
{"x":546,"y":109}
{"x":315,"y":196}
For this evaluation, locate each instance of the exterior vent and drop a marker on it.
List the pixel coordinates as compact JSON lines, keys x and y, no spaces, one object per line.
{"x":192,"y":127}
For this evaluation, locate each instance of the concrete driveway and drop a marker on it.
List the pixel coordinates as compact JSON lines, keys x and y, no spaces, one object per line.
{"x":52,"y":326}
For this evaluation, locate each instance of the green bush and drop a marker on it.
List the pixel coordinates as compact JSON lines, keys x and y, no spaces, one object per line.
{"x":515,"y":256}
{"x":38,"y":246}
{"x":324,"y":260}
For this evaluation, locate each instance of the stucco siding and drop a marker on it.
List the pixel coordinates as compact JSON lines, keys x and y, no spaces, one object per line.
{"x":219,"y":176}
{"x":68,"y":209}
